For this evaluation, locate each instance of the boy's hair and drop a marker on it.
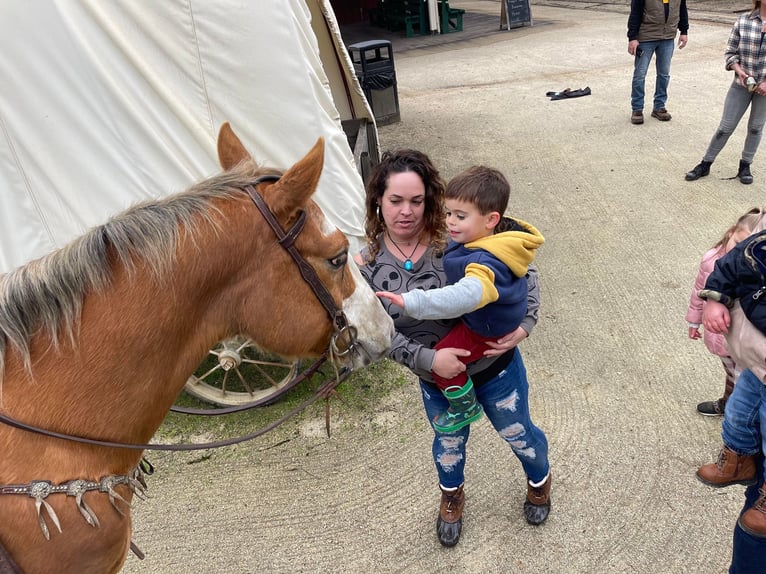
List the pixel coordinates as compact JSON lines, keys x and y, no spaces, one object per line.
{"x":482,"y":186}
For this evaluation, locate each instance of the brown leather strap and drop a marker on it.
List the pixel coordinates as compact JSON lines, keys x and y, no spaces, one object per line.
{"x":287,"y":241}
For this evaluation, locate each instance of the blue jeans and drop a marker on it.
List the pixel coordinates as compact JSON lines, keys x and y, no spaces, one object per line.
{"x":505,"y":403}
{"x":744,"y":415}
{"x":644,"y":53}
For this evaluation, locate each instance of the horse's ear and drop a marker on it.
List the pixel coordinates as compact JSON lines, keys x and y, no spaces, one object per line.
{"x":230,"y":148}
{"x":299,"y":182}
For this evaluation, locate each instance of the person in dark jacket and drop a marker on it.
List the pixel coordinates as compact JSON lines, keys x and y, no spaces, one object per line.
{"x":735,"y":293}
{"x":652,"y":28}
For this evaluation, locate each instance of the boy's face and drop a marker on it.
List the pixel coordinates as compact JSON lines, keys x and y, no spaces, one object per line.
{"x":466,"y":224}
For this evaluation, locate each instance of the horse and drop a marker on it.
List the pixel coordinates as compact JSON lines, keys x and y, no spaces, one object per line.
{"x":98,"y":338}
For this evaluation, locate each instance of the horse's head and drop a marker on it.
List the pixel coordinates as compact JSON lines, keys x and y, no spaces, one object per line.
{"x":324,"y":248}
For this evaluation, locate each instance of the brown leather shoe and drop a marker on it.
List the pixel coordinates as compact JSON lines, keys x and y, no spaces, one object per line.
{"x":637,"y":117}
{"x":537,"y":506}
{"x":730,"y":468}
{"x":450,"y":520}
{"x":662,"y":115}
{"x":753,"y":520}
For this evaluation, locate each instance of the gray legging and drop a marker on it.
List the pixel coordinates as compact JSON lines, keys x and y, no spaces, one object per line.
{"x":737,"y":101}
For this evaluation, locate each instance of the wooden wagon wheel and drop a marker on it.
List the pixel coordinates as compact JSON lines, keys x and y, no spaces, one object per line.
{"x":236,"y":373}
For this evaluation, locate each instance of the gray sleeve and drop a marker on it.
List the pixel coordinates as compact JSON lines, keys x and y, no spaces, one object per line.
{"x":533,"y":300}
{"x":446,"y":302}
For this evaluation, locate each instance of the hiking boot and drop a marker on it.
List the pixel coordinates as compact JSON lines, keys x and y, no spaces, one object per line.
{"x":537,"y":506}
{"x":731,"y":468}
{"x":637,"y":117}
{"x":700,"y":170}
{"x":753,"y":520}
{"x":662,"y":115}
{"x":450,"y":520}
{"x":711,"y":408}
{"x":744,"y":174}
{"x":463,"y":409}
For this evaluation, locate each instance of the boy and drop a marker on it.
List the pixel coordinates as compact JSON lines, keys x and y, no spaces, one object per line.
{"x":738,"y":282}
{"x":485,"y":263}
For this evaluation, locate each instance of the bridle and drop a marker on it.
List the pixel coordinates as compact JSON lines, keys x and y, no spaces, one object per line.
{"x":344,"y":332}
{"x":342,"y":342}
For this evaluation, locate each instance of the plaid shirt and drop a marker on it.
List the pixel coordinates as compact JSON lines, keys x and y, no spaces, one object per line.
{"x":746,"y":46}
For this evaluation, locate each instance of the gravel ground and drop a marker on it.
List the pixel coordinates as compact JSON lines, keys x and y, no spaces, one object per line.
{"x":614,"y":379}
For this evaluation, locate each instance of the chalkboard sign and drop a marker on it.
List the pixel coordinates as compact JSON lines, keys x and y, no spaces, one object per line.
{"x":515,"y":13}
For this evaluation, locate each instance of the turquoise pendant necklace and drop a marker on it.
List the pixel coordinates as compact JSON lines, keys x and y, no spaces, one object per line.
{"x":407,"y":260}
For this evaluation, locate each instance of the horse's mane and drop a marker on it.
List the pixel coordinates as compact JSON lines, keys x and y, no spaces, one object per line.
{"x":47,"y":294}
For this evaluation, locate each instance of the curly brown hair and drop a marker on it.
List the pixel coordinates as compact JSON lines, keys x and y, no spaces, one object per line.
{"x":401,"y":161}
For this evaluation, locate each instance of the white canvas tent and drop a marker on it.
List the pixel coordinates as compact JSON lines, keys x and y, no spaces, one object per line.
{"x":108,"y":102}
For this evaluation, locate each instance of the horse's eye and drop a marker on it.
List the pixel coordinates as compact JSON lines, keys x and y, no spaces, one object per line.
{"x":339,"y":261}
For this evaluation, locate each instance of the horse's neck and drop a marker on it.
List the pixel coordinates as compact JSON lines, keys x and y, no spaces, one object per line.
{"x":137,"y":344}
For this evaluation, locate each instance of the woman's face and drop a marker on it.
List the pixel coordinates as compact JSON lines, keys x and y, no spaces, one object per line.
{"x":403,"y":204}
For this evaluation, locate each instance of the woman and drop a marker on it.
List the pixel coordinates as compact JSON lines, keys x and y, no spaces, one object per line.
{"x":744,"y":56}
{"x":406,"y":234}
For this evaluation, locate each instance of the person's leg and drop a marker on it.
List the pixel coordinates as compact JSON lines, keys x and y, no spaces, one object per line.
{"x":736,"y":102}
{"x":741,"y":424}
{"x":663,"y":56}
{"x":715,"y":408}
{"x":463,"y":408}
{"x":505,"y":402}
{"x":449,"y":458}
{"x":753,"y":520}
{"x":460,"y":337}
{"x":747,"y":550}
{"x":741,"y":436}
{"x":754,"y":128}
{"x":641,"y":63}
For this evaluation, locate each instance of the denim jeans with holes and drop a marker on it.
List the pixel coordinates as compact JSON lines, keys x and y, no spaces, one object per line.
{"x":664,"y":52}
{"x":505,"y":403}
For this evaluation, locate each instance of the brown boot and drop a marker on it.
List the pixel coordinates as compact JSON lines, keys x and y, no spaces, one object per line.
{"x":753,"y":520}
{"x":450,"y":520}
{"x":731,"y":468}
{"x":537,"y":506}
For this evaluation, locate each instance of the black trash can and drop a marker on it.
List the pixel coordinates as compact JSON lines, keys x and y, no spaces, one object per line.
{"x":374,"y":67}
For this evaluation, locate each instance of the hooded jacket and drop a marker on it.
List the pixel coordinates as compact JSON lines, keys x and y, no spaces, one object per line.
{"x":741,"y":274}
{"x":487,"y":280}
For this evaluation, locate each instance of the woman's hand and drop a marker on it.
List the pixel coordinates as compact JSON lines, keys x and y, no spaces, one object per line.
{"x":506,"y":342}
{"x":716,"y":317}
{"x":447,"y":364}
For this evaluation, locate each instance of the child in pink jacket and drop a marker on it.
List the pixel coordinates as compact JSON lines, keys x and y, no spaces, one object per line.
{"x":714,"y":342}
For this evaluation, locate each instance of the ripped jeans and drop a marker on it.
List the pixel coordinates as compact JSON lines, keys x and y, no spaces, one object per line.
{"x":505,"y":402}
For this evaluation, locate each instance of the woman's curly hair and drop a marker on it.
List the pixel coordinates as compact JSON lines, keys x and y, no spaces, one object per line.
{"x":401,"y":161}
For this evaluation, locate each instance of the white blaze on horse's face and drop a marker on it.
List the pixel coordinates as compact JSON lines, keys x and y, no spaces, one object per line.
{"x":374,"y":326}
{"x":363,"y":309}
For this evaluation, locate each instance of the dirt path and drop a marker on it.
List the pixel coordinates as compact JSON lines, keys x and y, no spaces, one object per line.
{"x":614,"y":379}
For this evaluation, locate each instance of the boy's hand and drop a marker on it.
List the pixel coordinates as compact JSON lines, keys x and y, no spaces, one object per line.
{"x":694,"y":333}
{"x":716,"y":317}
{"x":392,"y":297}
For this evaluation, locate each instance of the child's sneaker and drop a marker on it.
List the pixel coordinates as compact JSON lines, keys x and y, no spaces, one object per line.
{"x":711,"y":408}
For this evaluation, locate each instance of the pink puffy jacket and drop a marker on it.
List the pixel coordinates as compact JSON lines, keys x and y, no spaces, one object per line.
{"x":715,"y":343}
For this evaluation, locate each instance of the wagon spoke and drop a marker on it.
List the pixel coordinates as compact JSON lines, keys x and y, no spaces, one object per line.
{"x":259,"y":376}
